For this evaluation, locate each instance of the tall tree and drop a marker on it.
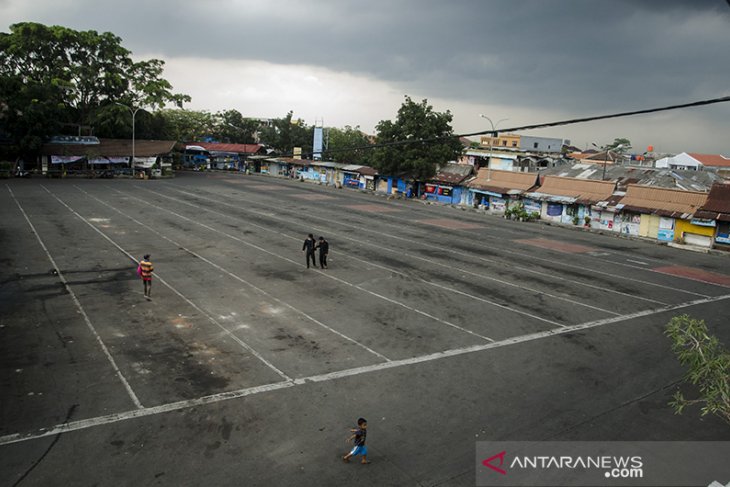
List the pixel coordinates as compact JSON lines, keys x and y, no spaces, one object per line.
{"x":80,"y":74}
{"x":425,"y":140}
{"x":286,"y":133}
{"x":341,"y":144}
{"x":188,"y":125}
{"x":232,"y":127}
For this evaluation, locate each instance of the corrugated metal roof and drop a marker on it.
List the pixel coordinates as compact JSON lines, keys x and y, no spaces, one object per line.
{"x":112,"y":148}
{"x":503,"y":182}
{"x":583,"y":190}
{"x":663,"y":201}
{"x":647,"y":176}
{"x":453,"y":173}
{"x":717,"y":206}
{"x":360,"y":169}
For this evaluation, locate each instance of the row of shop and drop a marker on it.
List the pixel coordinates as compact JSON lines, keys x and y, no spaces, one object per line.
{"x":667,"y":215}
{"x":330,"y":173}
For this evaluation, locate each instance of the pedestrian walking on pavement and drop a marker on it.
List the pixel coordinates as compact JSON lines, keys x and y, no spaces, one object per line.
{"x":324,"y":248}
{"x":308,"y":247}
{"x":358,"y":437}
{"x":144,"y":271}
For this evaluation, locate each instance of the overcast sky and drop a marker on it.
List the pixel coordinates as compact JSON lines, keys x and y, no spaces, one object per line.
{"x":351,"y":63}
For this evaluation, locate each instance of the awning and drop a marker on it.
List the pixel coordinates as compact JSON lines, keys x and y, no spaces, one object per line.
{"x":566,"y":200}
{"x":483,"y":191}
{"x":144,"y":162}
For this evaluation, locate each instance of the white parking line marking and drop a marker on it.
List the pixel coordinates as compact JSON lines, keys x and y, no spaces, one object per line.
{"x":243,"y":344}
{"x":637,"y":262}
{"x":240,"y":279}
{"x":430,"y":283}
{"x":454,"y":252}
{"x":224,"y":396}
{"x":71,"y":293}
{"x":330,"y":276}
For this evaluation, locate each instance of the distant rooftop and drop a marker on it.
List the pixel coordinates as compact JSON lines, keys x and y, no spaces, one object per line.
{"x":647,"y":176}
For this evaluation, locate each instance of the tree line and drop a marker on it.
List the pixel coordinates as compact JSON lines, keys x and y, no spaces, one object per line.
{"x":58,"y":81}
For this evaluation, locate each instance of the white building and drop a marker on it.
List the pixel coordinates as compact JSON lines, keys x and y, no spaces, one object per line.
{"x":694,"y":162}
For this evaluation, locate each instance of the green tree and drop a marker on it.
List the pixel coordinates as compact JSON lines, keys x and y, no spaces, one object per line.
{"x":284,"y":134}
{"x":624,"y":143}
{"x":425,"y":140}
{"x":232,"y":127}
{"x":341,"y":144}
{"x":76,"y":77}
{"x":187,"y":125}
{"x":708,"y":366}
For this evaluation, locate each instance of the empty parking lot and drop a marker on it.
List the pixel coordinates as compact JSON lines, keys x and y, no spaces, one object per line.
{"x":442,"y":327}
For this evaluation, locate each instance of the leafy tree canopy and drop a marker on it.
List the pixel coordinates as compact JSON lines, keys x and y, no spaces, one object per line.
{"x":188,"y":125}
{"x":341,"y":143}
{"x":624,"y":143}
{"x":283,"y":134}
{"x":416,"y":122}
{"x":72,"y":78}
{"x":708,"y":366}
{"x":232,"y":127}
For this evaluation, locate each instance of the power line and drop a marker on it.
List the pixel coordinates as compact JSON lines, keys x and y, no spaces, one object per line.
{"x":396,"y":143}
{"x":604,"y":117}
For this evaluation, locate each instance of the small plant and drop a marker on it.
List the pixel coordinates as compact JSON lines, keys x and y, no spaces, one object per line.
{"x":534,"y":215}
{"x":5,"y":168}
{"x":575,"y":220}
{"x":517,"y":212}
{"x":587,"y":221}
{"x":708,"y":366}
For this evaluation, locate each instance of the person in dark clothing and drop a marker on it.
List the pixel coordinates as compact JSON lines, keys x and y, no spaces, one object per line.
{"x":308,"y":247}
{"x":324,"y":248}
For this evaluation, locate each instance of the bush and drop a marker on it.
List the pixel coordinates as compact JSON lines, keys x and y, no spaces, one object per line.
{"x":6,"y":168}
{"x":575,"y":220}
{"x":587,"y":219}
{"x":708,"y":366}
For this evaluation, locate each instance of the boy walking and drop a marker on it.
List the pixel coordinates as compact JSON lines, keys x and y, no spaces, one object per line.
{"x":358,"y":435}
{"x":308,"y":247}
{"x":145,"y":270}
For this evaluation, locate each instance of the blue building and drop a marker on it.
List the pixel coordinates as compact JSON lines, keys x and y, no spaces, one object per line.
{"x":448,"y":184}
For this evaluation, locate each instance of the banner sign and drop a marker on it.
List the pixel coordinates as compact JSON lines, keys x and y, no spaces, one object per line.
{"x":65,"y":159}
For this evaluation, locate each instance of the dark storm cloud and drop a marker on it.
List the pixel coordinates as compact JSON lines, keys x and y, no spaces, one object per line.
{"x":568,"y":54}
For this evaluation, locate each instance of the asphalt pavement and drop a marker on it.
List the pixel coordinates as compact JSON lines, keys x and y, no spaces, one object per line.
{"x":441,"y":326}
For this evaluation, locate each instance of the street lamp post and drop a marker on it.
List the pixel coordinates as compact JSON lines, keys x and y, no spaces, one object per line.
{"x":133,"y":111}
{"x":605,"y":157}
{"x":493,"y":134}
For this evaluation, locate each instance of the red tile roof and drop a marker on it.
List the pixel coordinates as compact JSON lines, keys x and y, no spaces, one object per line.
{"x":585,"y":191}
{"x":240,"y":148}
{"x":674,"y":203}
{"x":503,"y":182}
{"x":712,"y":160}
